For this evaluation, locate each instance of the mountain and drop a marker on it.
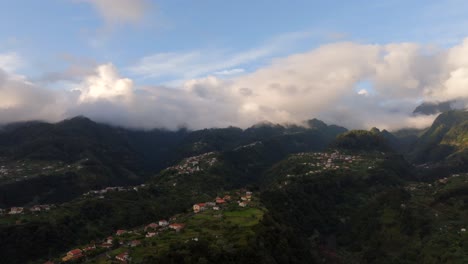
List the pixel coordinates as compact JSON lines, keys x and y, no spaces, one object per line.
{"x":430,"y":108}
{"x":445,"y":141}
{"x":321,"y":194}
{"x":48,"y":163}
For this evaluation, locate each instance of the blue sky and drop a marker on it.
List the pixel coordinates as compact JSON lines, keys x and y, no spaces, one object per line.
{"x":44,"y":32}
{"x":204,"y":63}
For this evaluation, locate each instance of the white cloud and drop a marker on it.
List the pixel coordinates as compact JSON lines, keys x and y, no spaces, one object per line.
{"x":230,"y":72}
{"x":121,"y":11}
{"x":106,"y":84}
{"x":320,"y":83}
{"x":363,"y":92}
{"x":10,"y":61}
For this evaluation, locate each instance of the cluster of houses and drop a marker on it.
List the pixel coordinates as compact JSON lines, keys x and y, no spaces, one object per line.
{"x":22,"y":210}
{"x":195,"y":163}
{"x":102,"y":192}
{"x":249,"y":145}
{"x":328,"y":161}
{"x":219,"y":202}
{"x":151,"y":230}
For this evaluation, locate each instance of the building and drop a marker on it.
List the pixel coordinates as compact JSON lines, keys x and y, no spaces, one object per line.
{"x":151,"y":234}
{"x":35,"y":208}
{"x":216,"y":208}
{"x":242,"y":204}
{"x":176,"y":226}
{"x":220,"y":200}
{"x":151,"y":226}
{"x":16,"y":210}
{"x":121,"y":232}
{"x":73,"y":254}
{"x":198,"y":207}
{"x":163,"y":223}
{"x":123,"y":257}
{"x":135,"y":243}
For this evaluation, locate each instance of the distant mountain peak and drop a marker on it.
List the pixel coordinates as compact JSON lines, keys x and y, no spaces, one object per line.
{"x":432,"y":108}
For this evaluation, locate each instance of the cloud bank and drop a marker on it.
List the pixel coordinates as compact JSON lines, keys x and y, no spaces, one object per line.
{"x":326,"y":82}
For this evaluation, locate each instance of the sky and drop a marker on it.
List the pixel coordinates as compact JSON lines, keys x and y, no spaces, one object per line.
{"x":210,"y":63}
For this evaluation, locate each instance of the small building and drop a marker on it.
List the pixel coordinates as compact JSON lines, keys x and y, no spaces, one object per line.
{"x":220,"y":200}
{"x":89,"y":248}
{"x":72,"y":255}
{"x":198,"y":207}
{"x":227,"y":197}
{"x":135,"y":243}
{"x":35,"y":208}
{"x":123,"y":257}
{"x":151,"y":234}
{"x":109,"y":239}
{"x":16,"y":210}
{"x":242,"y":204}
{"x":153,"y":226}
{"x":210,"y":204}
{"x":216,"y":208}
{"x":120,"y":232}
{"x":176,"y":226}
{"x":163,"y":223}
{"x":106,"y":245}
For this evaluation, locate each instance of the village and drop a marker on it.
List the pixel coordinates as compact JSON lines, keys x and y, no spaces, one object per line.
{"x":318,"y":162}
{"x":26,"y":169}
{"x":117,"y":247}
{"x":195,"y":163}
{"x":24,"y":210}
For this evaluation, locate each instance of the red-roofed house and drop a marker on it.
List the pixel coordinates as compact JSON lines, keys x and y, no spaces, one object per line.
{"x":151,"y":226}
{"x":220,"y":200}
{"x":176,"y":226}
{"x":198,"y":207}
{"x":135,"y":243}
{"x":123,"y":257}
{"x":120,"y":232}
{"x":73,"y":254}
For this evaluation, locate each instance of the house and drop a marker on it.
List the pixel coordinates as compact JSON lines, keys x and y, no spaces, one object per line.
{"x":163,"y":223}
{"x":216,"y":208}
{"x":243,"y":198}
{"x":120,"y":232}
{"x":106,"y":245}
{"x":151,"y":234}
{"x":135,"y":243}
{"x":176,"y":226}
{"x":73,"y":254}
{"x":2,"y":211}
{"x":89,"y":248}
{"x":242,"y":204}
{"x":151,"y":226}
{"x":109,"y":239}
{"x":220,"y":200}
{"x":36,"y":208}
{"x":16,"y":210}
{"x":227,"y":197}
{"x":198,"y":207}
{"x":210,"y":204}
{"x":123,"y":257}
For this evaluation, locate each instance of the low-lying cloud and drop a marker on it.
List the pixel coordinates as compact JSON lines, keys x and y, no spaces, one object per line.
{"x":325,"y":82}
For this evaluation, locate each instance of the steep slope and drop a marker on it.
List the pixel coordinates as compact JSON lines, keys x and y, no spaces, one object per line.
{"x":445,"y":141}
